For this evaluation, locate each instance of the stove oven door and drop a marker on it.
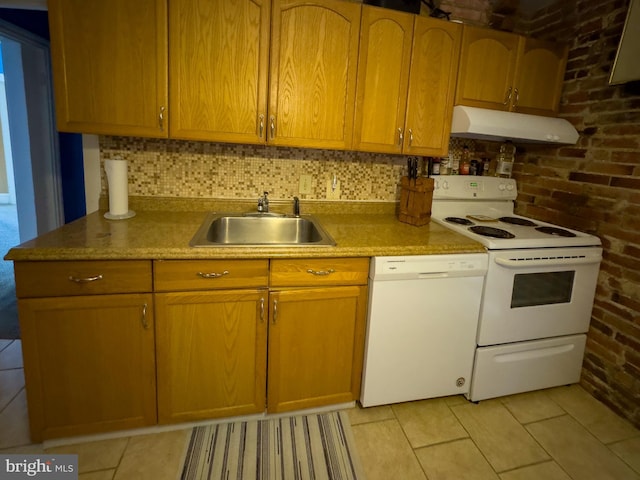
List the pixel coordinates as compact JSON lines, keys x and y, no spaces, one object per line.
{"x":538,"y":293}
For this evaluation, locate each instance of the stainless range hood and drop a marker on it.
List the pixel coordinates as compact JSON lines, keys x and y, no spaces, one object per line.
{"x":496,"y":125}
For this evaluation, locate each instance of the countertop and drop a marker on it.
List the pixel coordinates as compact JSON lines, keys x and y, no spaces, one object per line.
{"x":155,"y":233}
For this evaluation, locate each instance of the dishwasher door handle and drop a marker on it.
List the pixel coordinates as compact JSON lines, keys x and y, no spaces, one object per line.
{"x":433,"y":275}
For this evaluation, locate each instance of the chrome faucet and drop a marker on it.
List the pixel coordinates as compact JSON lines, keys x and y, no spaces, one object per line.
{"x":296,"y":207}
{"x":263,"y":203}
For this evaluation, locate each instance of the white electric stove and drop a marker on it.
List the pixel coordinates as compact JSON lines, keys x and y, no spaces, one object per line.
{"x":538,"y":292}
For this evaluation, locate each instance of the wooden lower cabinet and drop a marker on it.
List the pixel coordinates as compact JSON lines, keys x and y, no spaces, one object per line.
{"x":89,"y":363}
{"x":316,"y":341}
{"x":211,"y":349}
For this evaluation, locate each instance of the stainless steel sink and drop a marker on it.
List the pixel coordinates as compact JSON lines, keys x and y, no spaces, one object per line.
{"x":237,"y":230}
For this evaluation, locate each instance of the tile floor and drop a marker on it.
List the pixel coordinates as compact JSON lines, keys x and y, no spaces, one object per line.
{"x":557,"y":434}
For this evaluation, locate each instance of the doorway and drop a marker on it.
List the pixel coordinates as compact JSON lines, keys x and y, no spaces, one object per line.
{"x":32,"y":168}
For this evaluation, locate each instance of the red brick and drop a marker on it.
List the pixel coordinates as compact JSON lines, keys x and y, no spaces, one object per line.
{"x":589,"y":178}
{"x":626,"y":182}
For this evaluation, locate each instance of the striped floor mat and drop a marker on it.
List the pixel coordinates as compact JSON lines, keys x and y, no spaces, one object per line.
{"x":305,"y":447}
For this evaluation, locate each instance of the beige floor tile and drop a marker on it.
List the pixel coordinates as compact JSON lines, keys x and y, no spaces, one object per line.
{"x":14,"y":423}
{"x":629,"y":451}
{"x":101,"y":475}
{"x":532,"y":406}
{"x":541,"y":471}
{"x":581,"y":455}
{"x":11,"y":357}
{"x":503,"y":441}
{"x":154,"y":457}
{"x":594,"y":415}
{"x":455,"y":461}
{"x":33,"y":449}
{"x":11,"y":382}
{"x":428,"y":422}
{"x":92,"y":456}
{"x":455,"y":400}
{"x":4,"y":343}
{"x":358,"y":415}
{"x":385,"y":453}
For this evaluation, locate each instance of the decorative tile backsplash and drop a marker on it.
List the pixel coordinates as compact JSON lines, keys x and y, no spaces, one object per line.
{"x":174,"y":168}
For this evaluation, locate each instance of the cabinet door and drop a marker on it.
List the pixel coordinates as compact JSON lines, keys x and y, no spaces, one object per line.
{"x":434,"y":66}
{"x":109,"y":64}
{"x":89,"y":363}
{"x":314,"y":56}
{"x":316,"y":341}
{"x":219,"y":52}
{"x":540,"y":77}
{"x":383,"y":76}
{"x":211,"y":349}
{"x":487,"y":68}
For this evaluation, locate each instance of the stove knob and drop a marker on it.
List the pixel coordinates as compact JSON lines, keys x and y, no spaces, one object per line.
{"x":445,"y":185}
{"x":509,"y":187}
{"x":502,"y":187}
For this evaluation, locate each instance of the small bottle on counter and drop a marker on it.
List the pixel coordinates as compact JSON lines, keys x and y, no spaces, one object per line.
{"x":454,"y":160}
{"x":484,"y":169}
{"x":435,"y":166}
{"x":506,"y":157}
{"x":444,"y":166}
{"x":473,"y":167}
{"x":465,"y":161}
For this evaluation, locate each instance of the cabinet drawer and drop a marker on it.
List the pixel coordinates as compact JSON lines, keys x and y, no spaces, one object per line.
{"x":320,"y":271}
{"x":174,"y":275}
{"x":56,"y":279}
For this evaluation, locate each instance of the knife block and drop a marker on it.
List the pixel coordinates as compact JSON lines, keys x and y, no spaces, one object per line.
{"x":416,"y":196}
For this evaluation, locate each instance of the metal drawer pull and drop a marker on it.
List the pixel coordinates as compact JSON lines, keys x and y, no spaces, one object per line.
{"x":261,"y":124}
{"x":507,"y":98}
{"x":410,"y":137}
{"x":400,"y":136}
{"x":145,"y":324}
{"x":213,"y":274}
{"x":85,"y":279}
{"x":321,"y":272}
{"x":261,"y":310}
{"x":161,"y":118}
{"x":275,"y":311}
{"x":272,"y":126}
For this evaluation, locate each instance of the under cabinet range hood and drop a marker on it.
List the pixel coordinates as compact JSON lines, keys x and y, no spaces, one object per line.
{"x":496,"y":125}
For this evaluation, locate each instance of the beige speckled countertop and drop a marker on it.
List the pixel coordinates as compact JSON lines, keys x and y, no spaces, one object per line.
{"x":362,"y":230}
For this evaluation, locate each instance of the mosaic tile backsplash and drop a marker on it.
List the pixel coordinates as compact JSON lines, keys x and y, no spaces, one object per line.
{"x":174,"y":168}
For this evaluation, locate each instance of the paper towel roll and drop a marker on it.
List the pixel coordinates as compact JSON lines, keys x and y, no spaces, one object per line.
{"x":118,"y":189}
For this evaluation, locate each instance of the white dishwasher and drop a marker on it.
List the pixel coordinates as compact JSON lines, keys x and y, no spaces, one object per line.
{"x":422,"y":324}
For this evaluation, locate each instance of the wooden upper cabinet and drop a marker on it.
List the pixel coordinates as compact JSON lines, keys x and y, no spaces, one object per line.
{"x":383,"y":77}
{"x":487,"y":68}
{"x":540,"y":76}
{"x":109,"y":64}
{"x":219,"y":52}
{"x":314,"y":56}
{"x":432,"y":83}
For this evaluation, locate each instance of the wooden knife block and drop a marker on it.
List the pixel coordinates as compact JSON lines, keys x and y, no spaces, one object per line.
{"x":416,"y":196}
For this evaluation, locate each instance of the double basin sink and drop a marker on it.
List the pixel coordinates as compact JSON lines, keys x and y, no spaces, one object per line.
{"x":260,"y":229}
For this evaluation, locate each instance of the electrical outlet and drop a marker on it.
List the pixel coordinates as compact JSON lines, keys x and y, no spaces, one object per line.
{"x":305,"y":183}
{"x":333,"y":193}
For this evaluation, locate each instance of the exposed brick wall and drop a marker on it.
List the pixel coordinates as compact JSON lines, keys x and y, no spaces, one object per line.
{"x":594,"y":186}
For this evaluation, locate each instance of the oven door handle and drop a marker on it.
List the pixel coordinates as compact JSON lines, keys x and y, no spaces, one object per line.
{"x":547,"y":262}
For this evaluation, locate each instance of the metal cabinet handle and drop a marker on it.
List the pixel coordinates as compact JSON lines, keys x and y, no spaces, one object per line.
{"x":212,"y":274}
{"x":507,"y":98}
{"x":161,"y":118}
{"x":261,"y":124}
{"x":321,"y":273}
{"x":85,"y":279}
{"x":262,"y":310}
{"x":400,"y":136}
{"x":272,"y":126}
{"x":145,"y":324}
{"x":410,"y":137}
{"x":275,"y":311}
{"x":517,"y":97}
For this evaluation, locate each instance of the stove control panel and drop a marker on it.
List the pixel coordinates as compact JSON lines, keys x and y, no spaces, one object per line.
{"x":464,"y":187}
